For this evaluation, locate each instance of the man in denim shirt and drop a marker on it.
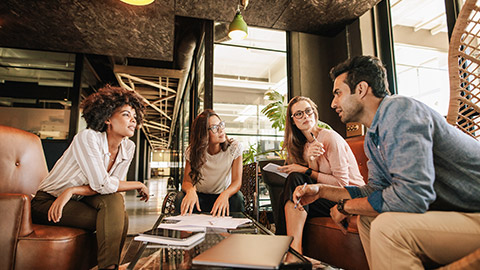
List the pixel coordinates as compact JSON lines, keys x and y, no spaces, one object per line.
{"x":422,"y":201}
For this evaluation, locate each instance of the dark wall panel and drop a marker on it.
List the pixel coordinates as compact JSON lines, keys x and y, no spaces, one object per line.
{"x":53,"y":150}
{"x":312,"y":57}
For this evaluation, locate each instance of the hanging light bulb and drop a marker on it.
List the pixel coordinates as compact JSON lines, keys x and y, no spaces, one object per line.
{"x":138,"y":2}
{"x":238,"y":28}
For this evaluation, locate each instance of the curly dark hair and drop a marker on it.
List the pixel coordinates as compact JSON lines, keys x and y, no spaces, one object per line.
{"x":199,"y":144}
{"x":100,"y":106}
{"x":363,"y":68}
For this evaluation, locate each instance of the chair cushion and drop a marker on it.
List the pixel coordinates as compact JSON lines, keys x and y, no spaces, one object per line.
{"x":324,"y":241}
{"x":327,"y":222}
{"x":61,"y":248}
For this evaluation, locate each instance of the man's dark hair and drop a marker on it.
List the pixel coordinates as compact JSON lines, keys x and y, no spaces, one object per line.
{"x":100,"y":106}
{"x":363,"y":68}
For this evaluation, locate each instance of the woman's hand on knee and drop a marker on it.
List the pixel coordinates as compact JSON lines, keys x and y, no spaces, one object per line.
{"x":56,"y":209}
{"x":189,"y":202}
{"x":221,"y":206}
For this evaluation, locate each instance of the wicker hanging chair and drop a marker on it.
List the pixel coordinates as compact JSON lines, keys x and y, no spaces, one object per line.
{"x":464,"y":70}
{"x":464,"y":107}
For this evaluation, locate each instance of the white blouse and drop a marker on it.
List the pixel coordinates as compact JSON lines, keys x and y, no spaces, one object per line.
{"x":85,"y":162}
{"x":217,"y":170}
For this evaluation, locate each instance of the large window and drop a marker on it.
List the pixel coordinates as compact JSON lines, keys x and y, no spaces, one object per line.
{"x":243,"y":71}
{"x":35,"y":91}
{"x":421,"y":49}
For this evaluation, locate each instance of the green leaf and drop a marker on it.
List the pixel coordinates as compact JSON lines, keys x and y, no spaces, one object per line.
{"x":276,"y":111}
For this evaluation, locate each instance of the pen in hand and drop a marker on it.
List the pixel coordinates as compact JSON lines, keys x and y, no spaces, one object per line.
{"x":312,"y":158}
{"x":298,"y":200}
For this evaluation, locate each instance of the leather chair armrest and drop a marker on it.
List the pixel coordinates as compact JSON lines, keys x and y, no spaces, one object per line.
{"x":15,"y":222}
{"x":16,"y":217}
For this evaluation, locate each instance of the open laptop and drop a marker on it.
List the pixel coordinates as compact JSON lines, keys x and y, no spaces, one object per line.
{"x":246,"y":251}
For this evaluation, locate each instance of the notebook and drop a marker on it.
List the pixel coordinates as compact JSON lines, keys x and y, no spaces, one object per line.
{"x":171,"y":237}
{"x":254,"y":251}
{"x":272,"y":167}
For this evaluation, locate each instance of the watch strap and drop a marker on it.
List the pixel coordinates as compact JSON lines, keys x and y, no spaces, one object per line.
{"x":308,"y":172}
{"x":341,"y":207}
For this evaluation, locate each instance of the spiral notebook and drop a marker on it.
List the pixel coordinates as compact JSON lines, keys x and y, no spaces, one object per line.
{"x":253,"y":251}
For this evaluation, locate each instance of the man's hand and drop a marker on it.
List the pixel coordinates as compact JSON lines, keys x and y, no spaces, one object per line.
{"x":144,"y":193}
{"x":292,"y":168}
{"x":307,"y":194}
{"x":189,"y":202}
{"x":221,"y":206}
{"x":340,"y":219}
{"x":56,"y":209}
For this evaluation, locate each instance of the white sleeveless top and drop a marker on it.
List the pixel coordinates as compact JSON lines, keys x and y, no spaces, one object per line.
{"x":217,"y":170}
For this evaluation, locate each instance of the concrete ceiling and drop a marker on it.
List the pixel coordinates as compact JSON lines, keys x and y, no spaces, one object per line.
{"x":111,"y":27}
{"x":132,"y":43}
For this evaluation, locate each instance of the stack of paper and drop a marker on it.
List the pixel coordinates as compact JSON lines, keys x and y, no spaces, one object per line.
{"x":196,"y":222}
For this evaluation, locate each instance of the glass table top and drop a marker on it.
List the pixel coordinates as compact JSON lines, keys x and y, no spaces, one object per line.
{"x":156,"y":256}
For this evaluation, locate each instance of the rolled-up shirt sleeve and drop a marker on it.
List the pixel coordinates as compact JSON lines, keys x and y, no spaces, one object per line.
{"x":87,"y":151}
{"x":402,"y":170}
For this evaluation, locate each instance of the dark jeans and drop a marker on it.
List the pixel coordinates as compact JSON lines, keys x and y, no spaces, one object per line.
{"x":319,"y":208}
{"x":236,"y":202}
{"x":102,"y":213}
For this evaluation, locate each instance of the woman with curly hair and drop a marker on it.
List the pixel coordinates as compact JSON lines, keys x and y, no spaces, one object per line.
{"x":314,"y":155}
{"x":82,"y":189}
{"x":213,"y":171}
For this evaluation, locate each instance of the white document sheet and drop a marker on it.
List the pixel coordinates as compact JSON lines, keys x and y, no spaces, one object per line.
{"x":272,"y":167}
{"x":201,"y":221}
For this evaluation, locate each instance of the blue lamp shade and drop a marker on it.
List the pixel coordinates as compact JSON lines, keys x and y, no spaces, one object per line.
{"x":238,"y":27}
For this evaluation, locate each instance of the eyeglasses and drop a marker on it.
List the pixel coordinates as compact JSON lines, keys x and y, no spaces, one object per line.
{"x":299,"y":114}
{"x":216,"y":128}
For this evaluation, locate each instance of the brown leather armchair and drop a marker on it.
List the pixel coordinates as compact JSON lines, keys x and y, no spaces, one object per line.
{"x":24,"y":245}
{"x":323,"y":240}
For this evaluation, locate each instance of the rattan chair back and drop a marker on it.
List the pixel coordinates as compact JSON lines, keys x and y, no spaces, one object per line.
{"x":464,"y":70}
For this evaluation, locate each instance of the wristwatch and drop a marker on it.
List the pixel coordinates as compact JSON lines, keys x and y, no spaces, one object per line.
{"x":341,"y":207}
{"x":308,"y":172}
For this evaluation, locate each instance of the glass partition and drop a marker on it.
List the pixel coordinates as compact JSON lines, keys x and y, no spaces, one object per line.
{"x":35,"y":91}
{"x":421,"y":49}
{"x":243,"y":72}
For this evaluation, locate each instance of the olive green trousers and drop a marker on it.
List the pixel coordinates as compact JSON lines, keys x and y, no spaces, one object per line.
{"x":104,"y":214}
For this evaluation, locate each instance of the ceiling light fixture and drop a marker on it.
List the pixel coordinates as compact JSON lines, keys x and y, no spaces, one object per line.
{"x":238,"y":27}
{"x":138,"y":2}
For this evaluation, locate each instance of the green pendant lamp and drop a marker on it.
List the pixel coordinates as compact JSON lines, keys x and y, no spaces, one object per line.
{"x":238,"y":27}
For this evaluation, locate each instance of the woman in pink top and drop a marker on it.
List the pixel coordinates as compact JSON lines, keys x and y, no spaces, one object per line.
{"x":314,"y":155}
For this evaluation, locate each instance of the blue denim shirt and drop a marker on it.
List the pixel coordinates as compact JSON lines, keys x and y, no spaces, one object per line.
{"x":418,"y":162}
